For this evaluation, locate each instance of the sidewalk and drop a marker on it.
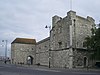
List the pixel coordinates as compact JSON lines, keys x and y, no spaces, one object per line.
{"x":60,"y":69}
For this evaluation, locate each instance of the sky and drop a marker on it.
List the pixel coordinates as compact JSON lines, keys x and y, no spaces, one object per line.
{"x":28,"y":18}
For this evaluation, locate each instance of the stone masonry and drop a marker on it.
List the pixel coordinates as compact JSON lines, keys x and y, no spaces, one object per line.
{"x":67,"y":36}
{"x":64,"y":48}
{"x":21,"y":49}
{"x":42,"y":52}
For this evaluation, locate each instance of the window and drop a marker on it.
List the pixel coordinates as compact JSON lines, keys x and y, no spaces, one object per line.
{"x":77,"y":44}
{"x":60,"y":44}
{"x":32,"y":48}
{"x":65,"y":45}
{"x":84,"y":44}
{"x":45,"y":46}
{"x":53,"y":35}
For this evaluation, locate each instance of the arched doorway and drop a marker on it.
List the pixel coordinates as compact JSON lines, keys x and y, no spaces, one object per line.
{"x":85,"y":62}
{"x":29,"y":60}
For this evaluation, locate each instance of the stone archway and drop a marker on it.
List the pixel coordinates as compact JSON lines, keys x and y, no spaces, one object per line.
{"x":30,"y":60}
{"x":85,"y":61}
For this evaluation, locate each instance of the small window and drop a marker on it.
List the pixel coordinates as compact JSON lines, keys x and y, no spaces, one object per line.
{"x":84,"y":44}
{"x":77,"y":44}
{"x":45,"y":46}
{"x":53,"y":35}
{"x":60,"y":44}
{"x":65,"y":45}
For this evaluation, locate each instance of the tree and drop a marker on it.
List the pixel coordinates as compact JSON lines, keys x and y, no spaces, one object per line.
{"x":93,"y":43}
{"x":97,"y":43}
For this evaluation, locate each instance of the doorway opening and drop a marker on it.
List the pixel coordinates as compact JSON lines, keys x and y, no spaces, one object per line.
{"x":29,"y":60}
{"x":85,"y":62}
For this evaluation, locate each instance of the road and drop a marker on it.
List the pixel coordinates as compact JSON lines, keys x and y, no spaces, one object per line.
{"x":7,"y":69}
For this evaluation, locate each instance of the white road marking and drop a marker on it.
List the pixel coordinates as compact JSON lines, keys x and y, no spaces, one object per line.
{"x":85,"y":73}
{"x":48,"y":70}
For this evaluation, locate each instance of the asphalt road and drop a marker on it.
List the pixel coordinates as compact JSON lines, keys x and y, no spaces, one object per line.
{"x":7,"y":69}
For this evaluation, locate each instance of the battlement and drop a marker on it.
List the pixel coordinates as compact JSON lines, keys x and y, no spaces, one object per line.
{"x":55,"y":19}
{"x":71,"y":14}
{"x":90,"y":19}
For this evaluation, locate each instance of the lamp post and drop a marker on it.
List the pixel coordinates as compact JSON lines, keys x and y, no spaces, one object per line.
{"x":5,"y":48}
{"x":49,"y":44}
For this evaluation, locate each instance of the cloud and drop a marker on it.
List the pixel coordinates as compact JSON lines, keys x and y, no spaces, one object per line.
{"x":28,"y":18}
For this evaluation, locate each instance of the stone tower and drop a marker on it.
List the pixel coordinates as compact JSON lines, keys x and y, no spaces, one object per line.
{"x":67,"y":36}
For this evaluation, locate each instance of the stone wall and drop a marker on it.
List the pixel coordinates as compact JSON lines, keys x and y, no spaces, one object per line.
{"x":61,"y":58}
{"x":78,"y":58}
{"x":60,"y":35}
{"x":61,"y":41}
{"x":42,"y":52}
{"x":20,"y":53}
{"x":81,"y":29}
{"x":68,"y":32}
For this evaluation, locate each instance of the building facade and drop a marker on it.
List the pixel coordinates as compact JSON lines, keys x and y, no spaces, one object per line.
{"x":66,"y":40}
{"x":65,"y":46}
{"x":42,"y":52}
{"x":23,"y":51}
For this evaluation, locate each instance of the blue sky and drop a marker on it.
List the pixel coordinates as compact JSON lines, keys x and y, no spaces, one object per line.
{"x":28,"y":18}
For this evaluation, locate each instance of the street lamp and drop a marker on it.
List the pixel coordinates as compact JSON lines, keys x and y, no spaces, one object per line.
{"x":49,"y":43}
{"x":5,"y":48}
{"x":48,"y":27}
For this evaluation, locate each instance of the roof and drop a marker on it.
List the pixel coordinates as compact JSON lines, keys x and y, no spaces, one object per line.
{"x":24,"y":41}
{"x":46,"y":39}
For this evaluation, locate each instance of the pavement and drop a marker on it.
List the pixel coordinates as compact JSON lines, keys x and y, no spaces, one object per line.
{"x":46,"y":68}
{"x":12,"y":69}
{"x":52,"y":68}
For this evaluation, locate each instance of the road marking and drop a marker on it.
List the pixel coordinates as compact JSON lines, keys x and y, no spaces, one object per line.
{"x":48,"y":70}
{"x":85,"y":73}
